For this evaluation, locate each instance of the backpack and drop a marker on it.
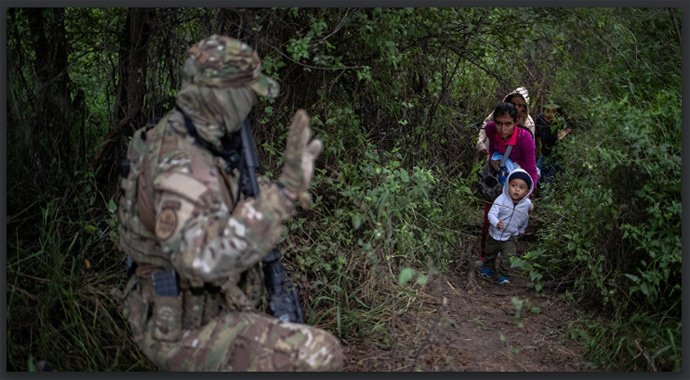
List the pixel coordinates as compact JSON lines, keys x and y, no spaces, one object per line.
{"x":143,"y":146}
{"x":489,"y":180}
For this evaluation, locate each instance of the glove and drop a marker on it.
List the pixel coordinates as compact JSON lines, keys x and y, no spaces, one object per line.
{"x":299,"y":158}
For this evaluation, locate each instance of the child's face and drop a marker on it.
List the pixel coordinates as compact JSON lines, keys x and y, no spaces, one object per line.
{"x":518,"y":189}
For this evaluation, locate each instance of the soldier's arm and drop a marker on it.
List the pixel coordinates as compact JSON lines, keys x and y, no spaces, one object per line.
{"x":205,"y":241}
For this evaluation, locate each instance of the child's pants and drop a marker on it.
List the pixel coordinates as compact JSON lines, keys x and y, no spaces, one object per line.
{"x":507,"y":249}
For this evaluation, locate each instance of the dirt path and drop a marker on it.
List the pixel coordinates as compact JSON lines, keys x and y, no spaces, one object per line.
{"x":468,"y":323}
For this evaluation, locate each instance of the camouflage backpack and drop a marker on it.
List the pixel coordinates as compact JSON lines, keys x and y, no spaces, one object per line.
{"x":137,"y":216}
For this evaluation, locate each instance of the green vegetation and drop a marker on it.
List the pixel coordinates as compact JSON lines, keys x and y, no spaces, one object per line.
{"x":614,"y":222}
{"x":392,"y":92}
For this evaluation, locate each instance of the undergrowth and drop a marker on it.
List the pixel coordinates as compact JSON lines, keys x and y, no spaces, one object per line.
{"x":59,"y":275}
{"x":611,"y":221}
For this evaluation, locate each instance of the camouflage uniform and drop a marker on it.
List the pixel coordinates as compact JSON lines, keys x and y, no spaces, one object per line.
{"x":181,"y":212}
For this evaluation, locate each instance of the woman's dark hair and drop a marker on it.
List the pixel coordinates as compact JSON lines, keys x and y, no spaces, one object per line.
{"x":512,"y":96}
{"x":506,"y":109}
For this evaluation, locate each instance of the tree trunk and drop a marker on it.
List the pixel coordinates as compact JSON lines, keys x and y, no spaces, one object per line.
{"x":129,"y":93}
{"x":54,"y":103}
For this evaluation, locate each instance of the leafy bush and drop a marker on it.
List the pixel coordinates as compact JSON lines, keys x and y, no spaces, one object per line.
{"x":612,"y":220}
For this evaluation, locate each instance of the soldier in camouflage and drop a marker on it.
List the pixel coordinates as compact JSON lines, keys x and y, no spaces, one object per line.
{"x":181,"y":213}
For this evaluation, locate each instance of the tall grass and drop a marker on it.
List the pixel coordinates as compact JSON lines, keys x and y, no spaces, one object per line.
{"x":61,"y":264}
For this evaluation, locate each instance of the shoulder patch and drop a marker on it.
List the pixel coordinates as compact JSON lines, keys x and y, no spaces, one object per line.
{"x":174,"y":204}
{"x":166,"y":222}
{"x":179,"y":183}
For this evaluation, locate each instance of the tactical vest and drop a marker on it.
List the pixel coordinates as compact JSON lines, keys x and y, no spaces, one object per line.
{"x":197,"y":302}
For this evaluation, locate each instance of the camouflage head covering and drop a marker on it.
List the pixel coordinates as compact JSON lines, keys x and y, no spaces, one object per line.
{"x":219,"y":81}
{"x":220,"y":61}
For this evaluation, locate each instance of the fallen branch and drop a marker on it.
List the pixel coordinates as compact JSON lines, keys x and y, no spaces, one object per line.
{"x":556,"y":284}
{"x":646,"y":356}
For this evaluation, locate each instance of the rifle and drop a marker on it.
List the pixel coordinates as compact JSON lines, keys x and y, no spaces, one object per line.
{"x":240,"y":152}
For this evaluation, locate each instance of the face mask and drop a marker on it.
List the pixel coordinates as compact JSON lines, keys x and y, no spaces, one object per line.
{"x":216,"y":111}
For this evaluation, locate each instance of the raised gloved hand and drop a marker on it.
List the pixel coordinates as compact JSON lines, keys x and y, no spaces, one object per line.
{"x":299,"y":158}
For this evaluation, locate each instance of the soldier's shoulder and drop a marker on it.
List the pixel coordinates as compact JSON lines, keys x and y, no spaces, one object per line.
{"x":188,"y":171}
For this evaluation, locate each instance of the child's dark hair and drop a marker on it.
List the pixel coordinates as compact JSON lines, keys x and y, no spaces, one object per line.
{"x":506,"y":109}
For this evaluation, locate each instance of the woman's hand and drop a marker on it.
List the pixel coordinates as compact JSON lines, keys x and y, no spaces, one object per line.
{"x":562,"y":134}
{"x":500,"y":225}
{"x":494,"y":163}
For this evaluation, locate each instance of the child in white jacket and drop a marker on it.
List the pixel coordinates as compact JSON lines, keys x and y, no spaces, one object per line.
{"x":508,"y":218}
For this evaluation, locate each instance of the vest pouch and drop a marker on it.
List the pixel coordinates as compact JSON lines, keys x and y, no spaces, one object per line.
{"x":167,"y":307}
{"x":135,"y":308}
{"x":193,"y":308}
{"x":212,"y":305}
{"x":167,"y":318}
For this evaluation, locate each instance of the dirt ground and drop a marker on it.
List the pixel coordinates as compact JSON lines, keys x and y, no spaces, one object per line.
{"x":466,"y":323}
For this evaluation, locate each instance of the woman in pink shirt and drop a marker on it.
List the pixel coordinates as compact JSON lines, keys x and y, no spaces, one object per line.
{"x":501,"y":132}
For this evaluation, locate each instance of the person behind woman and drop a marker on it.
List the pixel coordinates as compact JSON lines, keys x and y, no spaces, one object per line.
{"x":501,"y":132}
{"x":520,"y":99}
{"x":550,"y":130}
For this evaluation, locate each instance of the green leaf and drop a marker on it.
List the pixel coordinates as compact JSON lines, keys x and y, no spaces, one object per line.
{"x":112,"y":207}
{"x":405,"y":275}
{"x":632,"y":277}
{"x":357,"y":220}
{"x":644,"y":289}
{"x":661,"y":351}
{"x":534,"y":275}
{"x":404,"y":176}
{"x":518,"y":263}
{"x":113,"y":21}
{"x":32,"y":367}
{"x":422,"y":279}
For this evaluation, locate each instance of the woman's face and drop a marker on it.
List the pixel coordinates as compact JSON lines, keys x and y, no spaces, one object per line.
{"x":504,"y":126}
{"x":519,"y":105}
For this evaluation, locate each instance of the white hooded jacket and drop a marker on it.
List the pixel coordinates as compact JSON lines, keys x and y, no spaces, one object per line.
{"x":514,"y":216}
